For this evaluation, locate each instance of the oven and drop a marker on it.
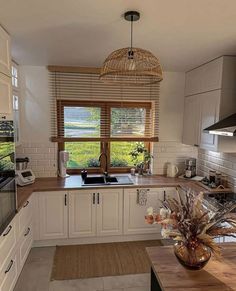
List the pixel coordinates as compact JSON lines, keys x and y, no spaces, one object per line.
{"x":7,"y":174}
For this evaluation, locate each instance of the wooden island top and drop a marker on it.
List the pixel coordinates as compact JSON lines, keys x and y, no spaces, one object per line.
{"x":172,"y":276}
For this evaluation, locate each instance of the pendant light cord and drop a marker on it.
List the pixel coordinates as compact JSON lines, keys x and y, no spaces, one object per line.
{"x":131,"y":34}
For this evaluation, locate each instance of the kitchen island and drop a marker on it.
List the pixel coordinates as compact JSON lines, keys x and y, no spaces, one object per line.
{"x":168,"y":275}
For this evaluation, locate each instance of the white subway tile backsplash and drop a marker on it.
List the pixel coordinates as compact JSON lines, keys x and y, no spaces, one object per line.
{"x":43,"y":157}
{"x":222,"y":162}
{"x":171,"y":152}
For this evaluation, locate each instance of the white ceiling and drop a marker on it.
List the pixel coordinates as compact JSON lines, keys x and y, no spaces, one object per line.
{"x":182,"y":33}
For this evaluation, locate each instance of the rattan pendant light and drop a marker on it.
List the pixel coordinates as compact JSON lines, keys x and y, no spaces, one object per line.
{"x":131,"y":66}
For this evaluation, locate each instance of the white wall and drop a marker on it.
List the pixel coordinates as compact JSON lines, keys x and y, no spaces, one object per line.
{"x":35,"y":121}
{"x":171,"y":106}
{"x":170,"y":149}
{"x":35,"y":104}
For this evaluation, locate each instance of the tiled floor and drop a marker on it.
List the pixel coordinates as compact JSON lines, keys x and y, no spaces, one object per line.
{"x":35,"y":276}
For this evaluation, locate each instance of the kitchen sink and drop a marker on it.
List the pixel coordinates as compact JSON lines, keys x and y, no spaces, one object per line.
{"x":92,"y":180}
{"x":109,"y":180}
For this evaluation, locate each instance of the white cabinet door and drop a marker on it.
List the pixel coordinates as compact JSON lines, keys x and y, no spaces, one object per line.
{"x":134,"y":214}
{"x":82,"y":214}
{"x":53,"y":215}
{"x":109,"y":212}
{"x":204,"y":78}
{"x":25,"y":244}
{"x":191,"y":120}
{"x":8,"y":240}
{"x":5,"y":97}
{"x":209,"y":108}
{"x":5,"y":59}
{"x":9,"y":273}
{"x":170,"y":192}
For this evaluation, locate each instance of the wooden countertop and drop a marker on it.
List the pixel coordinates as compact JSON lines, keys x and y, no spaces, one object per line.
{"x":74,"y":182}
{"x":217,"y":275}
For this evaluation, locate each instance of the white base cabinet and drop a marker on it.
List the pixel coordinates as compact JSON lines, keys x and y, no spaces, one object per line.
{"x":10,"y":273}
{"x":109,"y":212}
{"x":95,"y":213}
{"x":53,"y":214}
{"x":134,"y":214}
{"x":82,"y":214}
{"x":15,"y":244}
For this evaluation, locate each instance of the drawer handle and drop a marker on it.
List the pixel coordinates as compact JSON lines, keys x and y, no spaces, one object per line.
{"x":9,"y":267}
{"x":26,"y":204}
{"x":27,"y":232}
{"x":9,"y":229}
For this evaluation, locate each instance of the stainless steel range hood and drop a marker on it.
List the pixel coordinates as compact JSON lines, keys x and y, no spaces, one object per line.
{"x":225,"y":127}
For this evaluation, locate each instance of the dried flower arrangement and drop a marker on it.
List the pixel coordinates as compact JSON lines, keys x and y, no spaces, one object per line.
{"x":186,"y":221}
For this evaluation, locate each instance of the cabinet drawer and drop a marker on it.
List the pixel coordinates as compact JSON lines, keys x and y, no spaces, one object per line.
{"x":9,"y":273}
{"x":8,"y":241}
{"x":25,"y":215}
{"x":26,"y":241}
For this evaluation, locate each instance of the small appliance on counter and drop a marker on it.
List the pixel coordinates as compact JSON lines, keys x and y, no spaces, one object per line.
{"x":190,"y":168}
{"x":172,"y":170}
{"x":63,"y":159}
{"x":24,"y":176}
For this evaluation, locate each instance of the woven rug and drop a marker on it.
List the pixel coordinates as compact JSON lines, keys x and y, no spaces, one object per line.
{"x":100,"y":260}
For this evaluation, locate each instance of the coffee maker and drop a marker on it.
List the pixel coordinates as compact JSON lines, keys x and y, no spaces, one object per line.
{"x":190,"y":168}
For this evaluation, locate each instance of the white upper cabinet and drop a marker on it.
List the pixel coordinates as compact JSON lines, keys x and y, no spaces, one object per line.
{"x":6,"y":98}
{"x":191,"y":120}
{"x":209,"y":114}
{"x":5,"y":55}
{"x":6,"y":110}
{"x":210,"y":95}
{"x":204,"y":78}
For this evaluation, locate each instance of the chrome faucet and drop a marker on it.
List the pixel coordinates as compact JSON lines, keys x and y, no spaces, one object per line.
{"x":100,"y":157}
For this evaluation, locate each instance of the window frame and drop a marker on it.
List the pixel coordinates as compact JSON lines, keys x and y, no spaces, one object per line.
{"x":106,"y":139}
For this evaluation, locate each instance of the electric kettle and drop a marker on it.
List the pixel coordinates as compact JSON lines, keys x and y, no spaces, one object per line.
{"x":172,"y":170}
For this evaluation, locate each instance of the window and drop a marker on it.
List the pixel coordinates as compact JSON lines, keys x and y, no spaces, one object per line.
{"x":14,"y":73}
{"x":16,"y":100}
{"x":89,"y":128}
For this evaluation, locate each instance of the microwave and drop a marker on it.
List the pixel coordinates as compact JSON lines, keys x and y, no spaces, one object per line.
{"x":7,"y":174}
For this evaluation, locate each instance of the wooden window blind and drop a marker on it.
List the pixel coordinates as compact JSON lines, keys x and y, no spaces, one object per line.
{"x":125,"y":112}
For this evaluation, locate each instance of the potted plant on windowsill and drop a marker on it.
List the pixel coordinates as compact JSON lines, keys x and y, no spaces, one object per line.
{"x":144,"y":165}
